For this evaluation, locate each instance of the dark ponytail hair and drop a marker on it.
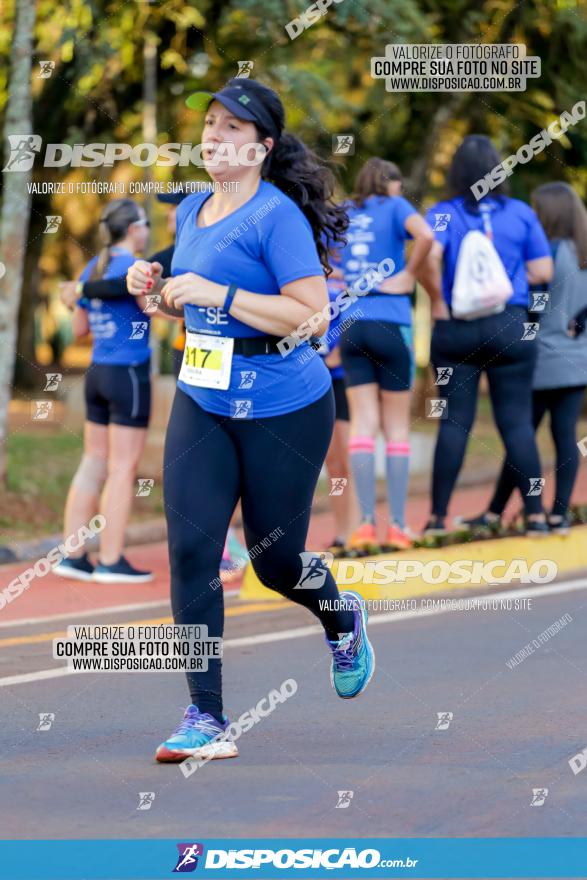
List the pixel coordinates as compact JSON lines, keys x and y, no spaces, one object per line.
{"x":114,"y":222}
{"x":473,"y":159}
{"x":302,"y":175}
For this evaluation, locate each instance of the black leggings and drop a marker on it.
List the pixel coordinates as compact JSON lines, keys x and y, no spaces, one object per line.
{"x":564,"y":405}
{"x":273,"y":465}
{"x":494,"y":345}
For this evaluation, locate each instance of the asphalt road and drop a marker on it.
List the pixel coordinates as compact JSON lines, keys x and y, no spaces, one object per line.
{"x":512,"y":731}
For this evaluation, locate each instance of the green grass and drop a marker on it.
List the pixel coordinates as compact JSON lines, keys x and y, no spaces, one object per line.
{"x":42,"y":464}
{"x":40,"y":469}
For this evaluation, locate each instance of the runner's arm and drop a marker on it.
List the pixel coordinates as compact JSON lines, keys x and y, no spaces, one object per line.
{"x":540,"y":271}
{"x":403,"y":281}
{"x":276,"y":315}
{"x":80,"y":322}
{"x":168,"y":311}
{"x":105,"y":288}
{"x":430,"y":277}
{"x":114,"y":288}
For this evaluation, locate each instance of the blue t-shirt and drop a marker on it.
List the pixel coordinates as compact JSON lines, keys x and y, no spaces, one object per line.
{"x":120,"y":330}
{"x":263,"y":245}
{"x":517,"y":238}
{"x":377,"y":232}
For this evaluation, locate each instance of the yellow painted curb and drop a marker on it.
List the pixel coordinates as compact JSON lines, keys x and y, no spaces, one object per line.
{"x":568,"y":553}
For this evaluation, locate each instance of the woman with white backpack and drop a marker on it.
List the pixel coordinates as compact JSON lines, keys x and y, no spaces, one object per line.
{"x":486,"y":254}
{"x":560,"y":376}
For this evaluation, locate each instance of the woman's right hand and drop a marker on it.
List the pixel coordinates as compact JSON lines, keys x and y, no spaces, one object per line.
{"x":143,"y":278}
{"x":439,"y":310}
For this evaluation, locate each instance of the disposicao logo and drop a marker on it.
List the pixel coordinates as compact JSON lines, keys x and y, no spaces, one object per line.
{"x":188,"y":857}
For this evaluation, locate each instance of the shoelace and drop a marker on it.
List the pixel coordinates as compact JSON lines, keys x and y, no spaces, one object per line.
{"x":344,"y":658}
{"x":204,"y":723}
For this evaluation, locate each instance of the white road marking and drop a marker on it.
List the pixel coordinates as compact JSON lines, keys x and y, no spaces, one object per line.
{"x":535,"y":592}
{"x":96,"y":612}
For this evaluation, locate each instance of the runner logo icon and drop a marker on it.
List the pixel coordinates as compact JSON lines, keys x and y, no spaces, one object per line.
{"x":444,"y":719}
{"x":187,"y":860}
{"x":139,"y":329}
{"x":23,"y":148}
{"x":441,"y":222}
{"x":344,"y":799}
{"x":539,"y":795}
{"x":314,"y":570}
{"x":443,"y":375}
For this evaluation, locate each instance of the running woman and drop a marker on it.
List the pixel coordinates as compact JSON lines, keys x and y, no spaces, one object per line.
{"x":248,"y":422}
{"x":377,"y":349}
{"x":498,"y":344}
{"x":560,"y":375}
{"x":118,"y":399}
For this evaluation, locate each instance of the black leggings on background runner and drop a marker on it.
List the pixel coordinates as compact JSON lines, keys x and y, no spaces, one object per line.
{"x":564,"y":406}
{"x":273,"y":465}
{"x":494,"y":344}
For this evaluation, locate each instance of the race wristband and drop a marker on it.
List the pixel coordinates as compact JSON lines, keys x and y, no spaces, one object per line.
{"x":229,"y":297}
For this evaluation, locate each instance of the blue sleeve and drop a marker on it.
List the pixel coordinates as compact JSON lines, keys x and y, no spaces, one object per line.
{"x":403,"y":209}
{"x":288,"y":247}
{"x":536,"y":244}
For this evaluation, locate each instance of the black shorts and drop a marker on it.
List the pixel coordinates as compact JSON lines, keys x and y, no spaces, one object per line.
{"x":341,"y":403}
{"x":120,"y":395}
{"x":380,"y":352}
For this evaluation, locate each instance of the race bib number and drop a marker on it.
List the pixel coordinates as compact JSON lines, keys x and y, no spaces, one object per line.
{"x":207,"y":361}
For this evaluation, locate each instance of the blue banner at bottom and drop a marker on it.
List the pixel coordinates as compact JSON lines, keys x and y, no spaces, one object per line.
{"x":530,"y":857}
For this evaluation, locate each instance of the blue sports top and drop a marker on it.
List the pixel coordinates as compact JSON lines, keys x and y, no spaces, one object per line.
{"x":377,"y":231}
{"x":119,"y":328}
{"x":260,"y":247}
{"x":517,"y":238}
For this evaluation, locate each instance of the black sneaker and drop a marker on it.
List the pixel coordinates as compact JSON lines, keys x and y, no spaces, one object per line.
{"x":485,"y":522}
{"x":559,"y":525}
{"x":534,"y":528}
{"x":78,"y":568}
{"x":122,"y":572}
{"x":435,"y":527}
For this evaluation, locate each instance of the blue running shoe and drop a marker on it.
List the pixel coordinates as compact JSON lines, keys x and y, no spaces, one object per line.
{"x":353,"y":658}
{"x":238,"y":554}
{"x":197,"y":736}
{"x":77,"y":567}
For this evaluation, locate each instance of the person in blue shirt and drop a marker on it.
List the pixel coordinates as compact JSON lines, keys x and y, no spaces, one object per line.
{"x":502,"y":345}
{"x":377,"y":348}
{"x":250,"y":420}
{"x":118,"y":399}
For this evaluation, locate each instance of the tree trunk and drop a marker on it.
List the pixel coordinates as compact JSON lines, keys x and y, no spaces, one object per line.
{"x":14,"y":219}
{"x":26,"y":371}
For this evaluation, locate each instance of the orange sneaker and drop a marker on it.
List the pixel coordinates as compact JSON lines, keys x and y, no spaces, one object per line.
{"x":364,"y":538}
{"x":398,"y":539}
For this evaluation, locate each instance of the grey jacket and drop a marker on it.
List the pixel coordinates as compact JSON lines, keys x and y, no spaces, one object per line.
{"x":562,"y":359}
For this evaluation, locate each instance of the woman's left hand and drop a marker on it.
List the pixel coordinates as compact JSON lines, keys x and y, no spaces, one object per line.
{"x":403,"y":282}
{"x":192,"y":289}
{"x":68,"y":294}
